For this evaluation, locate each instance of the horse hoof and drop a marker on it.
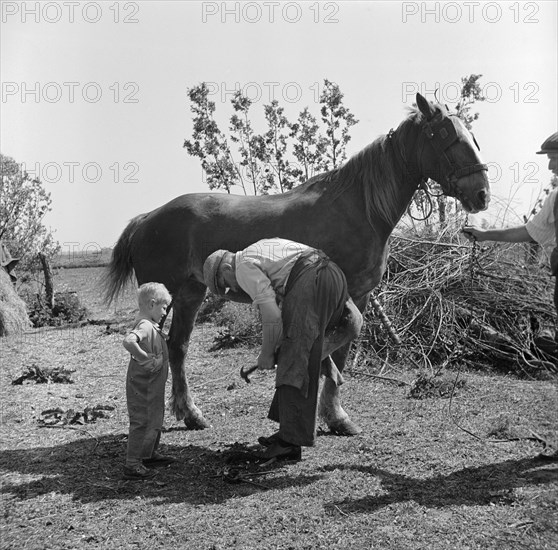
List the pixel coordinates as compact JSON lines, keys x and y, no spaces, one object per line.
{"x":345,"y":427}
{"x":196,"y":423}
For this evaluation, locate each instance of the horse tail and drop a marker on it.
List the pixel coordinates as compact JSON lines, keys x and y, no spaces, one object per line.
{"x":120,"y":270}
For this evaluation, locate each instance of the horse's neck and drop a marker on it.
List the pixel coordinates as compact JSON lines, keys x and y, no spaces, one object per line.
{"x":407,"y":190}
{"x":403,"y":178}
{"x":404,"y":161}
{"x":366,"y":250}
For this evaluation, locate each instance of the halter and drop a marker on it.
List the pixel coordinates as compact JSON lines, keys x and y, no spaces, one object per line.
{"x":441,"y":133}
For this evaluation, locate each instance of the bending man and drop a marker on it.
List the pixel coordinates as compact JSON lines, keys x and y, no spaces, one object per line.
{"x":313,"y":292}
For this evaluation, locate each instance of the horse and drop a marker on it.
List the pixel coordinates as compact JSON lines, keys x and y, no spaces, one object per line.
{"x":348,"y":212}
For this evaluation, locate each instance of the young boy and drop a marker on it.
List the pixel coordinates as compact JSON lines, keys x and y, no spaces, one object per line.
{"x":145,"y":383}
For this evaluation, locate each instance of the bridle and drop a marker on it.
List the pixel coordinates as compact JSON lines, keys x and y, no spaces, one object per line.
{"x":441,"y":133}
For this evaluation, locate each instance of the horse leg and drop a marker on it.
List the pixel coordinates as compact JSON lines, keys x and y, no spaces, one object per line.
{"x":330,"y":409}
{"x":347,"y":330}
{"x":186,"y":304}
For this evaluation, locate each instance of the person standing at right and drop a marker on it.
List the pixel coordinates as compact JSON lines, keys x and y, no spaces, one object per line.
{"x":542,"y":228}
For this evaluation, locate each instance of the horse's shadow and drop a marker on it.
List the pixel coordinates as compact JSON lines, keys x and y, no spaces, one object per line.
{"x":492,"y":483}
{"x":91,"y":470}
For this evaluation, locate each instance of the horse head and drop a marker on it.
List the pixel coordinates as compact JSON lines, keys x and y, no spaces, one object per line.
{"x":449,"y":154}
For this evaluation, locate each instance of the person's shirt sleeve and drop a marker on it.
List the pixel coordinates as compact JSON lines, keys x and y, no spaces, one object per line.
{"x":142,"y":332}
{"x":254,"y":282}
{"x":541,"y":225}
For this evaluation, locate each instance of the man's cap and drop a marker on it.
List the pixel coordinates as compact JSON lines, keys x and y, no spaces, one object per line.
{"x":210,"y":268}
{"x":550,"y":145}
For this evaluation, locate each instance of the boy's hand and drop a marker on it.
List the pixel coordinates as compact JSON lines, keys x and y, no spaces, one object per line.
{"x":141,"y":357}
{"x":157,"y":360}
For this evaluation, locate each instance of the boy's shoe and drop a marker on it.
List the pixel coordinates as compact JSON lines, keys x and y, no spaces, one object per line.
{"x":138,"y":472}
{"x":158,"y":461}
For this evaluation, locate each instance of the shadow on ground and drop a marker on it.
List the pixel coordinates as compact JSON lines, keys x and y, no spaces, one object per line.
{"x":91,"y":470}
{"x":483,"y":485}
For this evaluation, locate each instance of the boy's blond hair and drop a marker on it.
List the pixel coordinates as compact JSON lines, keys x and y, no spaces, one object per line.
{"x":153,"y":291}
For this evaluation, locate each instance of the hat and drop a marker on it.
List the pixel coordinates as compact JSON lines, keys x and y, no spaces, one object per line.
{"x":550,"y":145}
{"x":210,"y":268}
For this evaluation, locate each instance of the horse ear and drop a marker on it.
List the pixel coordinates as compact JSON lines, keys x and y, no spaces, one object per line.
{"x":426,"y":108}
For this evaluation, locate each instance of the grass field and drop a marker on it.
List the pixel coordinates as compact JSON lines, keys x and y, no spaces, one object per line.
{"x":412,"y":480}
{"x":94,"y":256}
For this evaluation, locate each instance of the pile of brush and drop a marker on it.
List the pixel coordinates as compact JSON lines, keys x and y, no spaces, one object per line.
{"x":449,"y":301}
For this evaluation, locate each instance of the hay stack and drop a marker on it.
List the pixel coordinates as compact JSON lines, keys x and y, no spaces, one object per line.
{"x":13,"y":315}
{"x":453,"y":305}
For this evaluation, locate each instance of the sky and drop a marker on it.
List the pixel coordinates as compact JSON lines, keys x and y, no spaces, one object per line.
{"x":94,"y":94}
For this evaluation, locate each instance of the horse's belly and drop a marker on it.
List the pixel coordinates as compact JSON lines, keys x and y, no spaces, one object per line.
{"x":364,"y":281}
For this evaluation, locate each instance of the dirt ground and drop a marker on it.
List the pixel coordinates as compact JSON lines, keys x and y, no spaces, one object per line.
{"x":412,"y":480}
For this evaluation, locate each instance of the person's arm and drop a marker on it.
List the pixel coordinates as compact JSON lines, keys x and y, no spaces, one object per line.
{"x":272,"y":328}
{"x":509,"y":235}
{"x":131,"y":345}
{"x":257,"y":285}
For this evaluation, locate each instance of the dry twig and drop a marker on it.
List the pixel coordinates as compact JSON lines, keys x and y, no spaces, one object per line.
{"x":446,"y":305}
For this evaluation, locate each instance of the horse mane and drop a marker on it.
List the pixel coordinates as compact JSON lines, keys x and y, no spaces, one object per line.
{"x":376,"y":173}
